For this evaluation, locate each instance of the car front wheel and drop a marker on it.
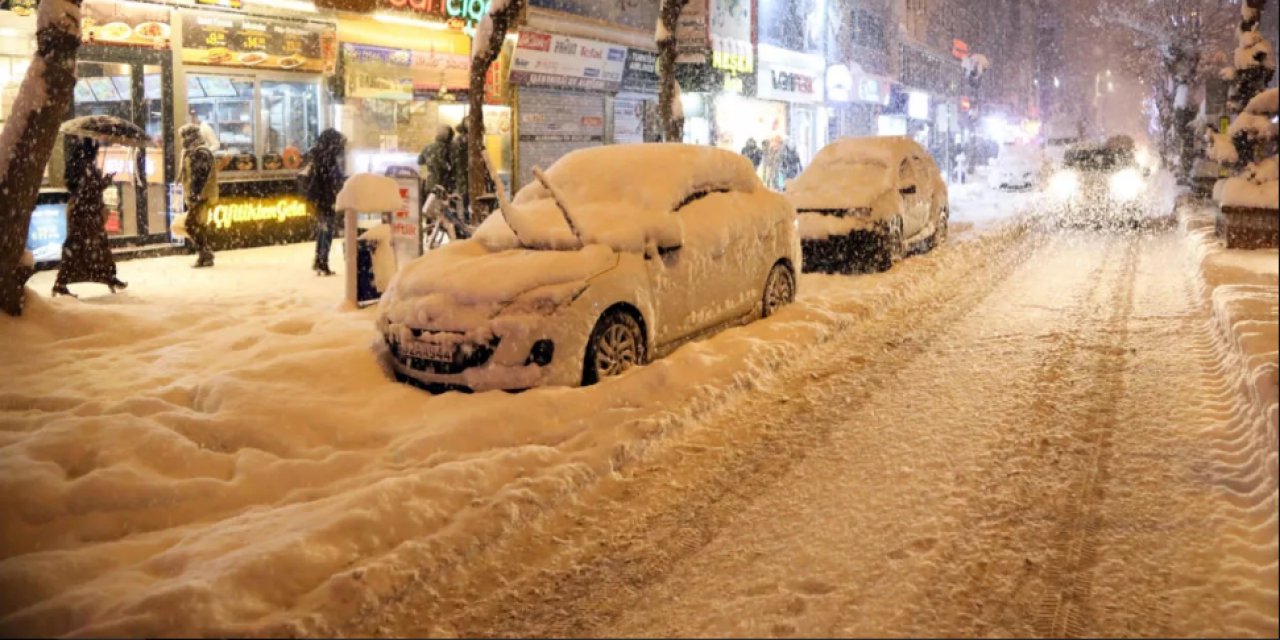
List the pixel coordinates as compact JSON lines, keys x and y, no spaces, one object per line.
{"x":616,"y":344}
{"x":779,"y":290}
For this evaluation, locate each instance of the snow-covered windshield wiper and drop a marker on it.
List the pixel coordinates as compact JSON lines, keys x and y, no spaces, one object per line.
{"x":568,"y":219}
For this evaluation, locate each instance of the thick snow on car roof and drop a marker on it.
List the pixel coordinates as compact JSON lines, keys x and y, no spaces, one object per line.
{"x":618,"y":195}
{"x":851,"y":172}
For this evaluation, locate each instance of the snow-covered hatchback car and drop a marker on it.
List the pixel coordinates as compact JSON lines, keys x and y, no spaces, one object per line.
{"x":612,"y":256}
{"x":866,"y":202}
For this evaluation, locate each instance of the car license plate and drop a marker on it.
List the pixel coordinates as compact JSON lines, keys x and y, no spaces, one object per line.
{"x":428,"y":351}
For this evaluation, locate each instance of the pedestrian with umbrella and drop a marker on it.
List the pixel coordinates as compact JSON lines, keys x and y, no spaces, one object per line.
{"x":86,"y":254}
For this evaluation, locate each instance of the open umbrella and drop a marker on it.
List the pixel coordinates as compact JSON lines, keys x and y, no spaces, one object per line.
{"x":107,"y":129}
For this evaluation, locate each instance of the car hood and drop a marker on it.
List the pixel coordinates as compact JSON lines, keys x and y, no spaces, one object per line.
{"x":461,"y":286}
{"x":838,"y":196}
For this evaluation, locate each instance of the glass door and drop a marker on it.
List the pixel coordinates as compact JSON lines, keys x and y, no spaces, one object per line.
{"x":105,"y":88}
{"x":135,"y":86}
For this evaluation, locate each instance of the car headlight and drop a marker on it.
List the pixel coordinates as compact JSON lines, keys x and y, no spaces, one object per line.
{"x":1126,"y":184}
{"x":1064,"y":184}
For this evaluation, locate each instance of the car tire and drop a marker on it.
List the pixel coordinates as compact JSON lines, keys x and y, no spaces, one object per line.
{"x":889,"y":247}
{"x":940,"y":233}
{"x":779,"y":290}
{"x":617,"y":343}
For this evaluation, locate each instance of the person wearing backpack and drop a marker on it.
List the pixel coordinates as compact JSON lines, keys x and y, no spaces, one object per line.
{"x":322,"y":177}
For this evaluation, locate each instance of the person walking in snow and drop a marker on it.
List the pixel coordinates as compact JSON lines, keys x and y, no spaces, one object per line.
{"x":326,"y":181}
{"x":199,"y":178}
{"x":459,"y":167}
{"x":752,"y":152}
{"x":86,"y":254}
{"x":435,"y":161}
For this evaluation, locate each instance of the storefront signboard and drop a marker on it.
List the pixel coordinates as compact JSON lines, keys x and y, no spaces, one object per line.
{"x":790,"y":76}
{"x":641,"y":74}
{"x":47,"y":232}
{"x":730,"y":29}
{"x":459,"y":12}
{"x":637,"y":14}
{"x":111,"y":22}
{"x":551,"y":60}
{"x":839,"y":83}
{"x":387,"y":73}
{"x":249,"y":41}
{"x":230,"y":213}
{"x":917,"y":105}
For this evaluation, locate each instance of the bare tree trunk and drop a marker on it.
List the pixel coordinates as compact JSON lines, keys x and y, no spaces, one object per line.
{"x":28,"y":138}
{"x":501,"y":17}
{"x":668,"y":19}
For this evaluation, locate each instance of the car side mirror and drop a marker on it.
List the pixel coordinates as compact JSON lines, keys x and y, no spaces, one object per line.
{"x":906,"y":191}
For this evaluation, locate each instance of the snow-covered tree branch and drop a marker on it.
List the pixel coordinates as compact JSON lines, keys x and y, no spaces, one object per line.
{"x":28,"y":138}
{"x":669,"y":110}
{"x":485,"y":48}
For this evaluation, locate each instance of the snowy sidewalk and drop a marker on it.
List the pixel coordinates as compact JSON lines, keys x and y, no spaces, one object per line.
{"x":1243,"y":287}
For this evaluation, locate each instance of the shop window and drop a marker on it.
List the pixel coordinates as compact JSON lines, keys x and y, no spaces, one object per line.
{"x":226,"y":104}
{"x":291,"y":121}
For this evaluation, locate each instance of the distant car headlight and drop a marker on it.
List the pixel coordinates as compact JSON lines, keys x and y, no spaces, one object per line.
{"x":1064,"y":184}
{"x":1126,"y":184}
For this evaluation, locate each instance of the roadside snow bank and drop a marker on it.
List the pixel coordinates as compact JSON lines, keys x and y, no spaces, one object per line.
{"x":222,"y":458}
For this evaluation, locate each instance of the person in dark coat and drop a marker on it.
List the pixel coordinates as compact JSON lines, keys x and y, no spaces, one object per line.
{"x":436,"y":161}
{"x":199,"y":178}
{"x":460,"y":165}
{"x":753,"y":152}
{"x":322,"y":190}
{"x":86,"y":254}
{"x":790,"y":162}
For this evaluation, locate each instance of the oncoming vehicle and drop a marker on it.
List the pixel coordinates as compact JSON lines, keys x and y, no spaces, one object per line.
{"x":1099,"y":185}
{"x":611,"y":257}
{"x":866,"y":202}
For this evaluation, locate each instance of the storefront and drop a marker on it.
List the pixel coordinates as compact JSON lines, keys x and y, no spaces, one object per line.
{"x":401,"y":80}
{"x":563,"y":86}
{"x":858,"y":99}
{"x":716,"y":67}
{"x":795,"y":79}
{"x":258,"y":82}
{"x":124,"y":68}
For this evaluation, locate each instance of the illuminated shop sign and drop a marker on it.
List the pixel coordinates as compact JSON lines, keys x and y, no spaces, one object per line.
{"x":230,"y":212}
{"x":468,"y":11}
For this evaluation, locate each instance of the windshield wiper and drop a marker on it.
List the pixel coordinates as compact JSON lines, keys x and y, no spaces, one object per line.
{"x":568,"y":219}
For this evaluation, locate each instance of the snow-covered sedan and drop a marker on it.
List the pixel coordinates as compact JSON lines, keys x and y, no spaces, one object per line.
{"x":866,"y":202}
{"x":1018,"y":167}
{"x":612,"y":256}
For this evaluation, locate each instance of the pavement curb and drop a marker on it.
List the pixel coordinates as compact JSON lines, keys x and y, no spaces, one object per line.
{"x":1245,"y":304}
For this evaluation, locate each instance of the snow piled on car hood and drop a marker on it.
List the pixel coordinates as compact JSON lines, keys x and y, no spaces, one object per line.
{"x":461,"y":284}
{"x":620,"y":196}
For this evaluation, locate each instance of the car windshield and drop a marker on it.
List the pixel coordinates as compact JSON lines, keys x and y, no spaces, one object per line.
{"x":1099,"y":159}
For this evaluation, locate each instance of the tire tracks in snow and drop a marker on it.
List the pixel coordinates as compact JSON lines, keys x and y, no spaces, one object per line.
{"x":1064,"y":605}
{"x":581,"y":566}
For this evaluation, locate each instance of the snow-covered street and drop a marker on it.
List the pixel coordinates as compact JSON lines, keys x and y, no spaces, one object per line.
{"x":1019,"y":433}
